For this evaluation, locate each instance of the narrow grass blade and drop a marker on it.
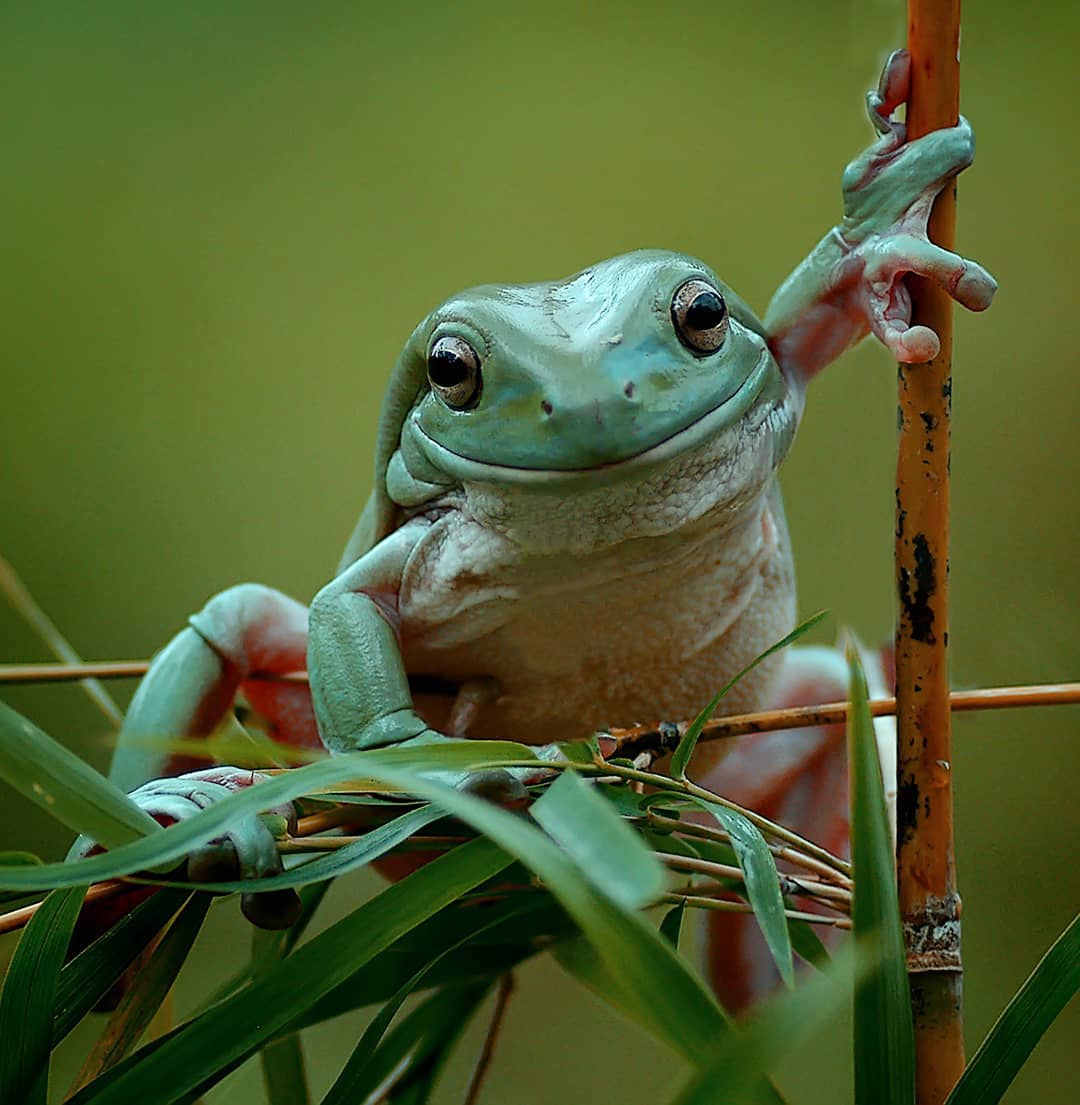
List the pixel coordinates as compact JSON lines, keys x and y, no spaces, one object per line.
{"x":671,"y":925}
{"x":284,"y":1071}
{"x":90,"y":975}
{"x":884,"y":1041}
{"x":680,"y":760}
{"x":137,"y":1007}
{"x":205,"y":1048}
{"x":18,"y":594}
{"x":409,"y":1059}
{"x":282,"y":1060}
{"x":807,"y":945}
{"x":65,"y":787}
{"x":361,"y":1074}
{"x":600,"y":841}
{"x":1047,"y":991}
{"x":749,"y":1055}
{"x":26,"y":1002}
{"x":516,"y":933}
{"x":762,"y":885}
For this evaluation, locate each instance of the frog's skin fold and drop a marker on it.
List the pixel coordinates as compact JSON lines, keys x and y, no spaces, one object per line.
{"x":582,"y":528}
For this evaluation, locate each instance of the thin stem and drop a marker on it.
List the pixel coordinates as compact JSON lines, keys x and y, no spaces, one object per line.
{"x":719,"y":728}
{"x":769,"y":828}
{"x":491,"y":1038}
{"x":718,"y":905}
{"x":797,"y":888}
{"x":721,"y":836}
{"x":99,"y":891}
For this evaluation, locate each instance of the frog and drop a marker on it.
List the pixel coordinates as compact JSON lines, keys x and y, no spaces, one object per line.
{"x":576,"y":520}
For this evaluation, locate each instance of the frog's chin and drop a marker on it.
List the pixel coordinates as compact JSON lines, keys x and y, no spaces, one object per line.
{"x":694,"y":433}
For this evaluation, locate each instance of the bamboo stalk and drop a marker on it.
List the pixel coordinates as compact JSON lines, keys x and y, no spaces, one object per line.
{"x":926,"y":867}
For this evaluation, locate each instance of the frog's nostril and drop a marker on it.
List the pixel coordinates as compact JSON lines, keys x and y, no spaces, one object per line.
{"x":628,"y":390}
{"x":545,"y":406}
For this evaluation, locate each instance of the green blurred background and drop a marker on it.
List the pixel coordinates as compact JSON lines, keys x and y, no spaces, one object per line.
{"x":222,"y":220}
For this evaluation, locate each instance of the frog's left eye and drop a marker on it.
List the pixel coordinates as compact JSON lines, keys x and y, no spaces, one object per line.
{"x":700,"y":316}
{"x":453,"y":370}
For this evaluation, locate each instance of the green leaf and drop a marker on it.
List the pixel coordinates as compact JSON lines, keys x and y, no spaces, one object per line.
{"x":362,"y":1074}
{"x":165,"y":846}
{"x":65,"y":787}
{"x":762,"y":885}
{"x":747,"y":1056}
{"x":601,"y":842}
{"x":416,"y":1047}
{"x":240,"y":1024}
{"x":141,"y":1002}
{"x":1047,"y":991}
{"x":671,"y":925}
{"x":281,"y":1060}
{"x":516,"y":933}
{"x":284,"y":1073}
{"x":668,"y":995}
{"x":884,"y":1040}
{"x":807,"y":944}
{"x":680,"y":760}
{"x":26,"y":1002}
{"x":90,"y":975}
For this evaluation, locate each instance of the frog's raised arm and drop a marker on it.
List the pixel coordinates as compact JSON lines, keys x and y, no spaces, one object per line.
{"x":852,"y":284}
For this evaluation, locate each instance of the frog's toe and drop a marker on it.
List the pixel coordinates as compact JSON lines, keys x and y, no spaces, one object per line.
{"x":496,"y":785}
{"x":889,"y":304}
{"x":891,"y":92}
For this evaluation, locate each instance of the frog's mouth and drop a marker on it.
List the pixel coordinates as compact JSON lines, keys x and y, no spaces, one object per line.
{"x":724,"y":415}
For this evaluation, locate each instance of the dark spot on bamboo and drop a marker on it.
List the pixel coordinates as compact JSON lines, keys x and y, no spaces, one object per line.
{"x":899,"y":417}
{"x":907,"y":808}
{"x":917,"y":591}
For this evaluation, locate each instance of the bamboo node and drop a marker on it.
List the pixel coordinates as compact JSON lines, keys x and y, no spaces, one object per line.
{"x":932,"y":936}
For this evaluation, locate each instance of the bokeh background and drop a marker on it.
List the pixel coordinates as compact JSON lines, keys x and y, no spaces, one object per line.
{"x":220,"y":221}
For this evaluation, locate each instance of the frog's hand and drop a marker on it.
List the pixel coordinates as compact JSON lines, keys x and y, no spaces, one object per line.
{"x":247,"y":850}
{"x":797,"y":777}
{"x":852,"y":282}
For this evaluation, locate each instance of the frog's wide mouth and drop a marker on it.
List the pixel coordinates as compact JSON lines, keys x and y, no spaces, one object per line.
{"x":694,"y":433}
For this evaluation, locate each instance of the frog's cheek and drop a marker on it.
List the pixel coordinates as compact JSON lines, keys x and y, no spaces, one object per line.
{"x":762,"y":384}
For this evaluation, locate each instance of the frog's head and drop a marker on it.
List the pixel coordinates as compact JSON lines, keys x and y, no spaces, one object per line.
{"x":616,"y":369}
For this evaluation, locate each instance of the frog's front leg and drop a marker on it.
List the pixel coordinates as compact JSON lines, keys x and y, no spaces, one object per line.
{"x":359,"y":686}
{"x":246,"y":631}
{"x":852,"y":282}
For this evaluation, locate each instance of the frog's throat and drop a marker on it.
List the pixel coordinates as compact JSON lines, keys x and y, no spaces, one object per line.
{"x":694,"y":433}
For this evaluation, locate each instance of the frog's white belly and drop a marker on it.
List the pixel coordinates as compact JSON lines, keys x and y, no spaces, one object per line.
{"x":645,"y":628}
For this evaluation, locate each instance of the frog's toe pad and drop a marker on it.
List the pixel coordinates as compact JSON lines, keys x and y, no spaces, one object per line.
{"x":496,"y":785}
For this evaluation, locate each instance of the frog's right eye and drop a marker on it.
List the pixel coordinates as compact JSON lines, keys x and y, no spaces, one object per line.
{"x":700,"y":317}
{"x":453,"y":370}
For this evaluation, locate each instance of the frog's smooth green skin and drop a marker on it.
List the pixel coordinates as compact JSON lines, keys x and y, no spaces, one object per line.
{"x":588,"y":531}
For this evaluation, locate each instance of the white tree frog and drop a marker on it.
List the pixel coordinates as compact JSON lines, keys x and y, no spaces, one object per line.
{"x":575,"y":521}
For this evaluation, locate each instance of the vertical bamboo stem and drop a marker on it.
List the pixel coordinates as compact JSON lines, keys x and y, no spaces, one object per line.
{"x":927,"y":877}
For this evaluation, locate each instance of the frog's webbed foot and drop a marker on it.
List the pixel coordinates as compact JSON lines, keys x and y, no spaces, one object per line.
{"x":246,"y":850}
{"x":888,"y":194}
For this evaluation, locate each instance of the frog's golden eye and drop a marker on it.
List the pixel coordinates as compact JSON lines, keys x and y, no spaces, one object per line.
{"x":453,"y":370}
{"x":700,"y":316}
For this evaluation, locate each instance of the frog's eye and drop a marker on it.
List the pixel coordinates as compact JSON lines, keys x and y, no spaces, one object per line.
{"x":453,"y":370}
{"x":700,"y":316}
